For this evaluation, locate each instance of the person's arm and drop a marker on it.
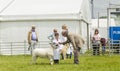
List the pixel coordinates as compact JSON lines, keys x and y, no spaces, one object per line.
{"x":50,"y":37}
{"x":67,"y":41}
{"x":72,"y":41}
{"x":99,"y":37}
{"x":29,"y":37}
{"x":55,"y":43}
{"x":36,"y":37}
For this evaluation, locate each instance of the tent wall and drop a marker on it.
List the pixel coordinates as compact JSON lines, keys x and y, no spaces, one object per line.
{"x":86,"y":34}
{"x":85,"y":14}
{"x":14,"y":27}
{"x":85,"y":11}
{"x":16,"y":31}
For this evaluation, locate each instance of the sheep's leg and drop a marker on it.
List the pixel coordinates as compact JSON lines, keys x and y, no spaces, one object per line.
{"x":34,"y":59}
{"x":65,"y":51}
{"x":51,"y":60}
{"x":61,"y":52}
{"x":64,"y":54}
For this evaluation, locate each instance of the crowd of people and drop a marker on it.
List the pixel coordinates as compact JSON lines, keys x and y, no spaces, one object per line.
{"x":75,"y":43}
{"x":59,"y":39}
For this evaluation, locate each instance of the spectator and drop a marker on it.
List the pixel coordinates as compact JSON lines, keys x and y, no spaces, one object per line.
{"x":103,"y":44}
{"x":51,"y":37}
{"x":96,"y":43}
{"x":32,"y":38}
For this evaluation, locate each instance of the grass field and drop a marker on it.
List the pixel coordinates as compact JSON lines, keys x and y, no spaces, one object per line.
{"x":87,"y":63}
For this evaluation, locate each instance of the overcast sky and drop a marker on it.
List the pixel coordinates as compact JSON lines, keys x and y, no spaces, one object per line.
{"x":102,"y":5}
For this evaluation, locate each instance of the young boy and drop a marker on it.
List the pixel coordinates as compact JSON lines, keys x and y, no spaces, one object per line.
{"x":56,"y":51}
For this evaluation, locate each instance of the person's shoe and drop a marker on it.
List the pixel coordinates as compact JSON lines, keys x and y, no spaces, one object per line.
{"x":76,"y":63}
{"x":57,"y":61}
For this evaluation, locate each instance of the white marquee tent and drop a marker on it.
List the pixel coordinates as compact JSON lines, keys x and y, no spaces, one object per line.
{"x":16,"y":20}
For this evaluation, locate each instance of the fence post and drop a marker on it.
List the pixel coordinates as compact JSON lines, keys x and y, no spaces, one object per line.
{"x":11,"y":48}
{"x":113,"y":45}
{"x":0,"y":48}
{"x":109,"y":46}
{"x":24,"y":47}
{"x":119,"y":47}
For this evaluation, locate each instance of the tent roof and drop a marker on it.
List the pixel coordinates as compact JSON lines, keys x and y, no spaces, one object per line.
{"x":36,"y":7}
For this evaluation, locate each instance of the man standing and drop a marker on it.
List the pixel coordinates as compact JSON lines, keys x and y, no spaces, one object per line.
{"x":77,"y":42}
{"x":32,"y":38}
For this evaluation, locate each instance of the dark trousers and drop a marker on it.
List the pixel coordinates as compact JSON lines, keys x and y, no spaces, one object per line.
{"x":56,"y":61}
{"x":96,"y":49}
{"x":62,"y":56}
{"x":76,"y":55}
{"x":103,"y":49}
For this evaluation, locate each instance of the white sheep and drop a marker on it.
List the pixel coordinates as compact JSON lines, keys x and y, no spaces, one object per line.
{"x":46,"y":53}
{"x":43,"y":53}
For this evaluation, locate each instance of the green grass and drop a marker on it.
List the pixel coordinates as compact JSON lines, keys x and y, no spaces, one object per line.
{"x":87,"y":63}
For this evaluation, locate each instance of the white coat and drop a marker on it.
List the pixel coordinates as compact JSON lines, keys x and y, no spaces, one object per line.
{"x":56,"y":52}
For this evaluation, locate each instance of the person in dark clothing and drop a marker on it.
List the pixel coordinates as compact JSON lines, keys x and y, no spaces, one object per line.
{"x":103,"y":44}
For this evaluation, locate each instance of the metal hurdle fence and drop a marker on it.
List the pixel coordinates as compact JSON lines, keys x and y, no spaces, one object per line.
{"x":112,"y":47}
{"x":19,"y":48}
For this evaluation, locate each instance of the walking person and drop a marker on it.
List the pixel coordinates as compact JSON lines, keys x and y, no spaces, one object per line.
{"x":96,"y":42}
{"x":32,"y":38}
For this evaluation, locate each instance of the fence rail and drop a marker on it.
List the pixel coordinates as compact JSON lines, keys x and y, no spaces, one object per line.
{"x":112,"y":47}
{"x":18,"y":48}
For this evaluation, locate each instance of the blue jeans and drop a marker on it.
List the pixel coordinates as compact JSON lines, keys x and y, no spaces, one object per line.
{"x":103,"y":49}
